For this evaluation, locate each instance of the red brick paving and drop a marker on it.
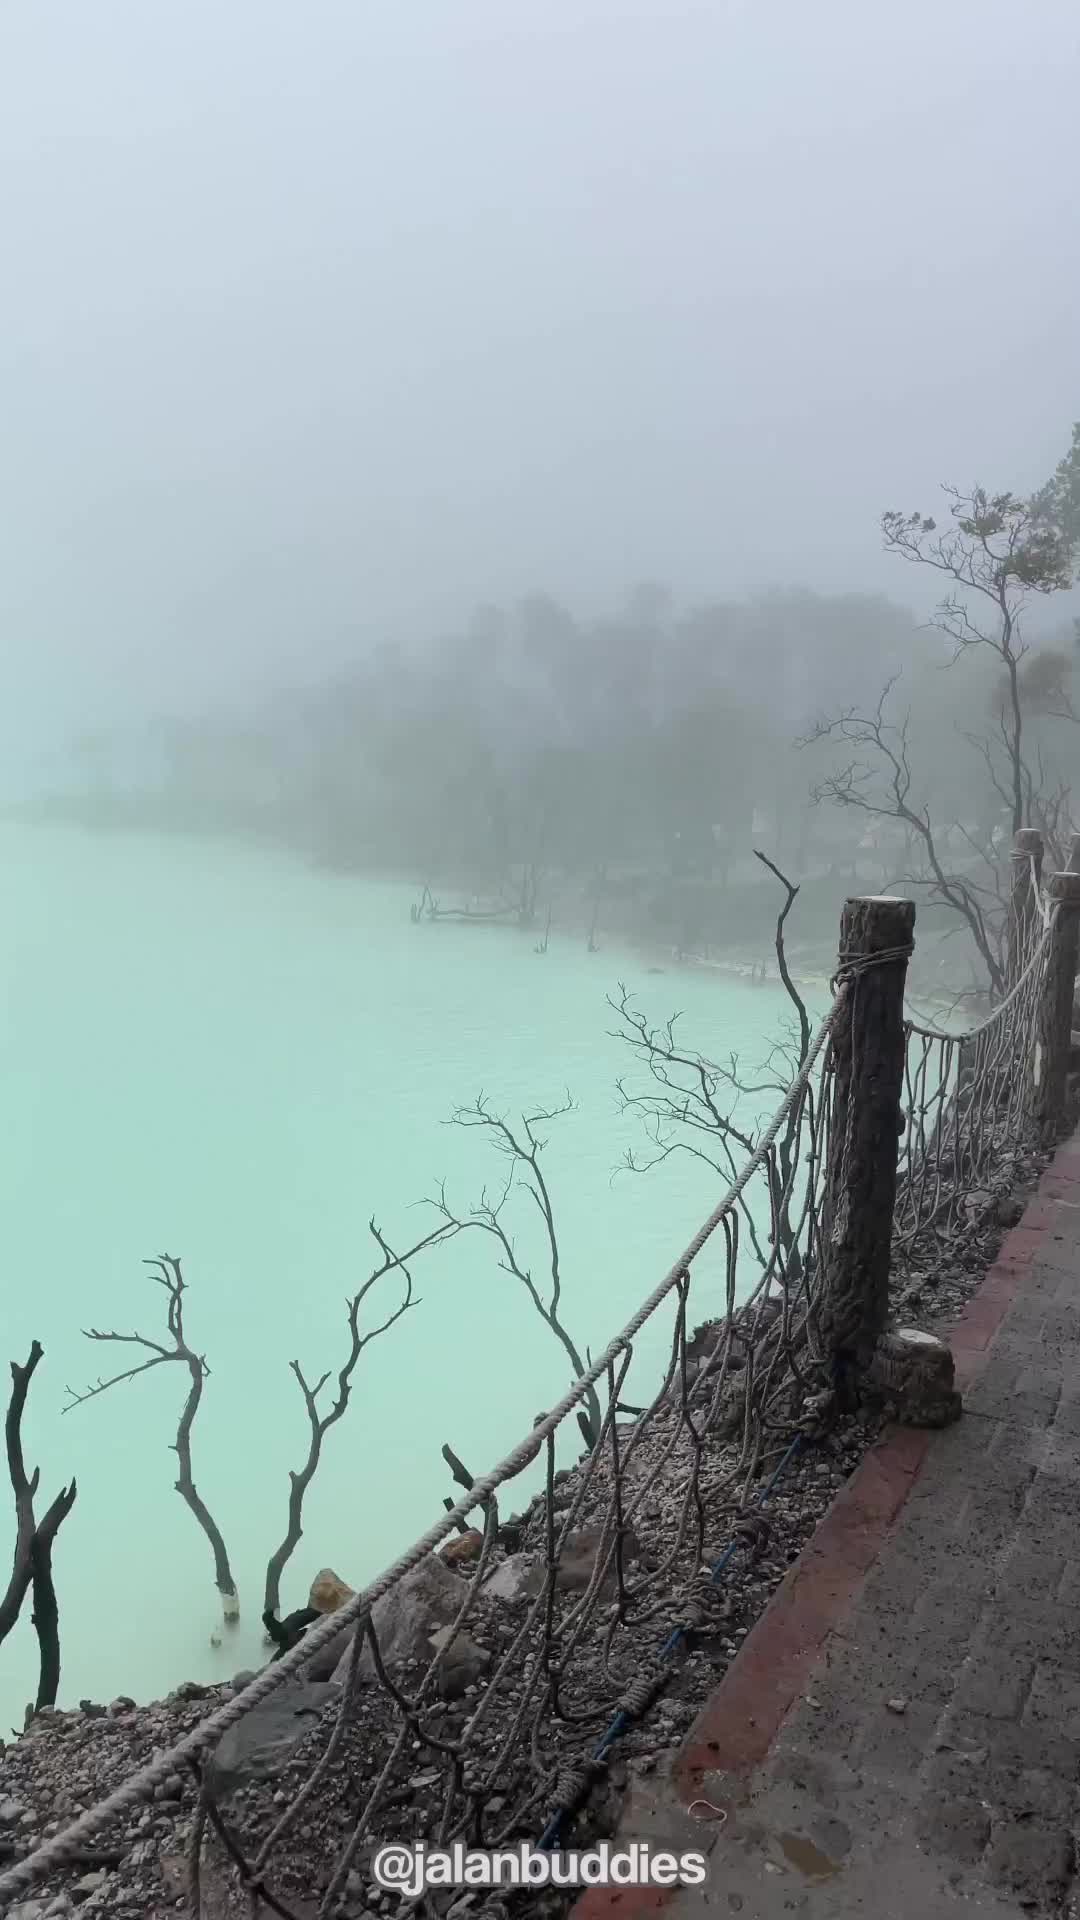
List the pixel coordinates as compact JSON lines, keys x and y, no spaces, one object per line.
{"x":738,"y":1726}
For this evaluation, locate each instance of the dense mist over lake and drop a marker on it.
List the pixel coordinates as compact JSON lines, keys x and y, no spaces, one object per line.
{"x":500,"y":508}
{"x":322,"y":329}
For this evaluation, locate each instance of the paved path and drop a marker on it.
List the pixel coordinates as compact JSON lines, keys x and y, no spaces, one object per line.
{"x":900,"y":1736}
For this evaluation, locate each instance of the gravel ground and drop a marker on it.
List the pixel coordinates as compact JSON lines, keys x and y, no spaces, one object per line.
{"x":66,"y":1761}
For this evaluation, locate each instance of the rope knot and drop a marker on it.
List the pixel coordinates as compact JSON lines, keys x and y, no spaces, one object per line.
{"x":573,"y":1782}
{"x":754,"y":1531}
{"x":641,"y":1693}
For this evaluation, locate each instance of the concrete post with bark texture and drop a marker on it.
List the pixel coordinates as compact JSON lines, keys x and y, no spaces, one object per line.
{"x":860,"y":1175}
{"x":1053,"y":1019}
{"x":1027,"y":849}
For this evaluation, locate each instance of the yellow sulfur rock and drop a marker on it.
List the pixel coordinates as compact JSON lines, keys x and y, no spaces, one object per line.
{"x":328,"y":1593}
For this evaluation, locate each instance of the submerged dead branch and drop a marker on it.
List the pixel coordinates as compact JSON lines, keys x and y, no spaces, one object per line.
{"x":31,"y":1567}
{"x":166,"y":1272}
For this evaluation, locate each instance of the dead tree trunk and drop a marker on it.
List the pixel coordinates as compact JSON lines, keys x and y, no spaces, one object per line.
{"x":860,"y":1180}
{"x":31,"y":1569}
{"x":1053,"y":1023}
{"x":1026,"y":861}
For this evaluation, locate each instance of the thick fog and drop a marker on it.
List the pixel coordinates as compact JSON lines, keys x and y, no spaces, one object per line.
{"x":465,"y":629}
{"x":325,"y":323}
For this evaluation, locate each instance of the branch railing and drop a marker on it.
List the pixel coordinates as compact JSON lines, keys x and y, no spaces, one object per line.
{"x":480,"y":1698}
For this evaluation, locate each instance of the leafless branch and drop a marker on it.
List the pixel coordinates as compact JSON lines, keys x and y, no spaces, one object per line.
{"x":999,"y":549}
{"x":692,"y":1105}
{"x":166,"y":1271}
{"x":522,"y":1147}
{"x":791,"y":890}
{"x":880,"y":782}
{"x":321,"y":1420}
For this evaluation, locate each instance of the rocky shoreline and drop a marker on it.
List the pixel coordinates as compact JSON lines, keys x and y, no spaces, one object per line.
{"x":66,"y":1762}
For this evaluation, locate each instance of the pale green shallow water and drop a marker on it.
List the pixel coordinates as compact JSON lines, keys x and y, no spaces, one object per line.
{"x":212,"y":1051}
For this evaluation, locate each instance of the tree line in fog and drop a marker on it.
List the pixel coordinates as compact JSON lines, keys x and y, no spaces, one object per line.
{"x":537,"y":753}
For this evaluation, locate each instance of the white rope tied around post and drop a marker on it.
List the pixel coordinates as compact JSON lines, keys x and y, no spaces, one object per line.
{"x":53,"y":1852}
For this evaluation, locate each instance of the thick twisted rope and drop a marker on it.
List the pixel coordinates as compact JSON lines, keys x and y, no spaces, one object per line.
{"x":55,"y":1851}
{"x":851,"y":963}
{"x":929,"y":1032}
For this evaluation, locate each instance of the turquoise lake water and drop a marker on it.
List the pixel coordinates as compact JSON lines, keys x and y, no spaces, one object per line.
{"x":215,"y":1052}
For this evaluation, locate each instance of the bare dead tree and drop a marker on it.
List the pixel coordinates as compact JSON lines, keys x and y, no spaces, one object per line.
{"x":996,"y":551}
{"x":321,"y":1419}
{"x":697,"y":1106}
{"x":166,"y":1271}
{"x":878,"y":779}
{"x":523,"y":1148}
{"x":1045,"y":688}
{"x":31,"y":1568}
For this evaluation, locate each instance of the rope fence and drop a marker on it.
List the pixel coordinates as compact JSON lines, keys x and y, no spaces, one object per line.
{"x":966,"y":1107}
{"x":481,"y":1699}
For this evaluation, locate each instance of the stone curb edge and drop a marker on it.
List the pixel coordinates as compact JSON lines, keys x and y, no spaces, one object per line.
{"x":736,"y":1728}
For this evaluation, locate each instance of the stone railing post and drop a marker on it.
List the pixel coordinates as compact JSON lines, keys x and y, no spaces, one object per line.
{"x":860,"y":1173}
{"x":1027,"y":847}
{"x":1053,"y":1018}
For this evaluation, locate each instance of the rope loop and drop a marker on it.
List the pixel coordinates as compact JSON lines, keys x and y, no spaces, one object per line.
{"x":851,"y":964}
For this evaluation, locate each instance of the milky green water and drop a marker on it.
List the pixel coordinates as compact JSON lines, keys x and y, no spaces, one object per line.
{"x":214,"y":1052}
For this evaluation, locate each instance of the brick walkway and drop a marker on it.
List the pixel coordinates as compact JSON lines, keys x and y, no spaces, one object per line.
{"x":900,"y":1736}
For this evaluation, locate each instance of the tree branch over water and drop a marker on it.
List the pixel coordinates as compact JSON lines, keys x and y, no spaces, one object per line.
{"x":166,"y":1272}
{"x":320,"y":1421}
{"x":695,"y":1105}
{"x":523,"y":1148}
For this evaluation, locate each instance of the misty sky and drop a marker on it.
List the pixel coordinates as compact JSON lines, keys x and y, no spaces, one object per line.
{"x":328,"y":319}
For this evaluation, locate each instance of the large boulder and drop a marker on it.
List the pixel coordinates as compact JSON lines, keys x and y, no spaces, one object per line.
{"x":262,"y":1743}
{"x":578,"y":1558}
{"x":512,"y":1579}
{"x":411,"y":1623}
{"x":324,"y":1664}
{"x":522,"y":1575}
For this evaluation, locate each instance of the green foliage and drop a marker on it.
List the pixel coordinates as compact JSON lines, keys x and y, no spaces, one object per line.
{"x":999,"y":543}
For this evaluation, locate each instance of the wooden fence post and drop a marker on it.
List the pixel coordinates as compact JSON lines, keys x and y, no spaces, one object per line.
{"x":1053,"y":1019}
{"x":1023,"y":896}
{"x":860,"y":1174}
